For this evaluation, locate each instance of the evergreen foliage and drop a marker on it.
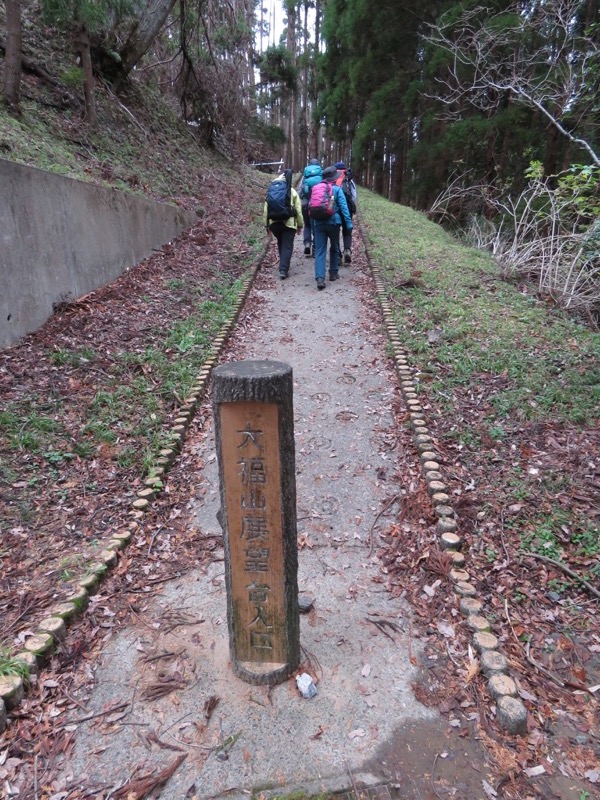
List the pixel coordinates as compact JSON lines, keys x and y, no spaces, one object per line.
{"x":444,"y":106}
{"x":277,"y":70}
{"x":447,"y":108}
{"x":423,"y":94}
{"x":95,"y":15}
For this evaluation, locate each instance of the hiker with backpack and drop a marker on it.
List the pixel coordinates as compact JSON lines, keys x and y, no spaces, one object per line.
{"x":347,"y":185}
{"x":327,"y":208}
{"x":282,"y":216}
{"x":313,"y":174}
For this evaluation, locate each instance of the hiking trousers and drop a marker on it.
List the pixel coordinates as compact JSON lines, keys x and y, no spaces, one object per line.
{"x":347,"y":237}
{"x":285,"y":243}
{"x":326,"y":233}
{"x":307,"y":234}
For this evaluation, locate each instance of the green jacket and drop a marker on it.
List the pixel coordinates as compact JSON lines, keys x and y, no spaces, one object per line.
{"x":296,"y":222}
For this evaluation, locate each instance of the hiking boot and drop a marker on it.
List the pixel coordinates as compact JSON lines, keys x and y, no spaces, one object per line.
{"x":306,"y":249}
{"x":347,"y":257}
{"x":283,"y":274}
{"x":320,"y":283}
{"x":333,"y":276}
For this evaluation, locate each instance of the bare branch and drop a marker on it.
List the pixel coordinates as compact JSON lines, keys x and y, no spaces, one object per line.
{"x":552,"y":72}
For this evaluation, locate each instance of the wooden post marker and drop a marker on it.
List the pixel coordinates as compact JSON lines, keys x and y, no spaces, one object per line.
{"x":254,"y":426}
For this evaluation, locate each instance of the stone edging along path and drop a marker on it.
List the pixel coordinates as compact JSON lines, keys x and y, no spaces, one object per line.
{"x":511,"y":712}
{"x":53,"y":628}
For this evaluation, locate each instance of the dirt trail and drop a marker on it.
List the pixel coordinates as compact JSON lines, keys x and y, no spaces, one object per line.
{"x":354,"y":464}
{"x":141,"y":694}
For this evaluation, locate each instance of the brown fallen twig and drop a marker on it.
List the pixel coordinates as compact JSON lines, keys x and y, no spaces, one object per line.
{"x":175,"y":618}
{"x":567,"y":571}
{"x":111,"y":710}
{"x":153,"y":538}
{"x":383,"y":510}
{"x":152,"y":737}
{"x":152,"y":581}
{"x":563,"y":684}
{"x":311,"y":661}
{"x":140,"y":787}
{"x":508,"y":619}
{"x":550,"y":675}
{"x":435,"y":791}
{"x":502,"y":537}
{"x":450,"y":656}
{"x":209,"y":706}
{"x":30,"y":605}
{"x":382,"y":624}
{"x":354,"y":786}
{"x":162,"y":687}
{"x":164,"y":654}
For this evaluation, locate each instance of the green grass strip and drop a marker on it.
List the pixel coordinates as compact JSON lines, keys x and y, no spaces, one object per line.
{"x":129,"y":409}
{"x":464,"y":322}
{"x":495,"y":361}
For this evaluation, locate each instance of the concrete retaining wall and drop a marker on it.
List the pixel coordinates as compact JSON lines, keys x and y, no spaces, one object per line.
{"x":62,"y":238}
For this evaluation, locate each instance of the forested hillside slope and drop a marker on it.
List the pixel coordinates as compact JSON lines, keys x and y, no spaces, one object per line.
{"x":485,"y":117}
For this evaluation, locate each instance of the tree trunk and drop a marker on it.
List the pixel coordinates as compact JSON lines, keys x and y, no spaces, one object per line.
{"x":396,"y":179}
{"x":251,"y":22}
{"x":293,"y":100}
{"x":490,"y":156}
{"x":262,"y":111}
{"x":504,"y":156}
{"x":385,"y":168}
{"x":315,"y":138}
{"x":11,"y":83}
{"x":88,"y":78}
{"x":377,"y":166}
{"x":144,"y":32}
{"x":553,"y":138}
{"x":303,"y":153}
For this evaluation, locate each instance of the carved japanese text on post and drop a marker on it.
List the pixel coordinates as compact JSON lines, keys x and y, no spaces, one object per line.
{"x":252,"y":477}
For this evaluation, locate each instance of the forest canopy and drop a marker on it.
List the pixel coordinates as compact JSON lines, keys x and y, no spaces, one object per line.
{"x":414,"y":94}
{"x":485,"y":116}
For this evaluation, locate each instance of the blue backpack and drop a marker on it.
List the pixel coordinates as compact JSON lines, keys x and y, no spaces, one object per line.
{"x":313,"y":174}
{"x":279,"y":198}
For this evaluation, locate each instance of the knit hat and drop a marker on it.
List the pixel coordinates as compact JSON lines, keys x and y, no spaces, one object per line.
{"x":314,"y":162}
{"x":340,"y":165}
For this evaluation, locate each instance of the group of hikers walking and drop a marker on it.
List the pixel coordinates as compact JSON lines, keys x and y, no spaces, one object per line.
{"x":322,"y":206}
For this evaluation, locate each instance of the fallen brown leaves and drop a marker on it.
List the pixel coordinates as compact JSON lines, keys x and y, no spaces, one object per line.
{"x":58,"y":502}
{"x":552,"y":640}
{"x":138,"y":788}
{"x":163,"y":686}
{"x":52,"y":524}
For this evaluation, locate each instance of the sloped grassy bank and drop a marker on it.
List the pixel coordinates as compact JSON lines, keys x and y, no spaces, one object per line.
{"x":497,"y":365}
{"x":85,"y":402}
{"x":139,"y":145}
{"x":511,"y":389}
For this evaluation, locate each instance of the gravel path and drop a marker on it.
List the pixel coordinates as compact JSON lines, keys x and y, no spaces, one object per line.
{"x":347,"y":446}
